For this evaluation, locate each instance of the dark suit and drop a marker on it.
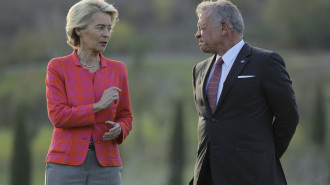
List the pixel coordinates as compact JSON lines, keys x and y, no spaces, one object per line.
{"x":255,"y":119}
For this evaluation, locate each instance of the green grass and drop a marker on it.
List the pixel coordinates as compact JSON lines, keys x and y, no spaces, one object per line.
{"x":6,"y":145}
{"x":40,"y":146}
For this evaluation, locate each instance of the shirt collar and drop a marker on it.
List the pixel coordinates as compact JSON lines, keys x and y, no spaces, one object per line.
{"x":232,"y":53}
{"x":76,"y":60}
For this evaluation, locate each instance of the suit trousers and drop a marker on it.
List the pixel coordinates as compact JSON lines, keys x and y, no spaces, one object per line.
{"x":206,"y":174}
{"x":89,"y":173}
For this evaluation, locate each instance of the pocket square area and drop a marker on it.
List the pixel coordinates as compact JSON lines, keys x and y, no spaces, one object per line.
{"x":246,"y":76}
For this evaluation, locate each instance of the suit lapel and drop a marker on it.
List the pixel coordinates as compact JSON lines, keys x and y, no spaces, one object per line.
{"x":239,"y":64}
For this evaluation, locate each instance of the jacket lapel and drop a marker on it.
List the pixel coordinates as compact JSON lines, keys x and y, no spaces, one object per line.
{"x":239,"y":64}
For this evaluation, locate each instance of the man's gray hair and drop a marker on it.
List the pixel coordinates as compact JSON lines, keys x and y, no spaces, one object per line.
{"x":223,"y":10}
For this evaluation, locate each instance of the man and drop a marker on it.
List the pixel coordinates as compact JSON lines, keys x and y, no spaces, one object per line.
{"x":245,"y":101}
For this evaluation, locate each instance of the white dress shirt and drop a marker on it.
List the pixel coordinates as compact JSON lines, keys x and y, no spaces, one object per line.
{"x":228,"y":59}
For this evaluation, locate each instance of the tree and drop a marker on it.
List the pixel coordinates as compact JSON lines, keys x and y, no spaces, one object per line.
{"x":293,"y":23}
{"x":177,"y":148}
{"x":21,"y":162}
{"x":319,"y":126}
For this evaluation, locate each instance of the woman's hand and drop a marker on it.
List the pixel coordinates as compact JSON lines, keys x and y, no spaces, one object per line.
{"x":109,"y":95}
{"x":114,"y":131}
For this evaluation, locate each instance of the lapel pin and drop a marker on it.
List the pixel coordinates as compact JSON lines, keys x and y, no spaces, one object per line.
{"x":242,"y":61}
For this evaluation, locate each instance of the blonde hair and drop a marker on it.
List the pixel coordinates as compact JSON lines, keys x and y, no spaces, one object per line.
{"x":80,"y":15}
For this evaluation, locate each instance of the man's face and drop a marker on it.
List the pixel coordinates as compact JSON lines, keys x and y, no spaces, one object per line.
{"x":208,"y":35}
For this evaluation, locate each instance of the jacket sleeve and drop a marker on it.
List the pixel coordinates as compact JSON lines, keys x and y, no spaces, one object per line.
{"x":279,"y":93}
{"x":123,"y":111}
{"x":60,"y":113}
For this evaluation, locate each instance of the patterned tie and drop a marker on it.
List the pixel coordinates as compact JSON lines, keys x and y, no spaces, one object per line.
{"x":212,"y":88}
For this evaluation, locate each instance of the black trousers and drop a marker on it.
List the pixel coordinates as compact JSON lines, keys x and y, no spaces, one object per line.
{"x":205,"y":177}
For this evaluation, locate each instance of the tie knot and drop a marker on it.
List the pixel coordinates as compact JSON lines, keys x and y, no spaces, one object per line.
{"x":219,"y":61}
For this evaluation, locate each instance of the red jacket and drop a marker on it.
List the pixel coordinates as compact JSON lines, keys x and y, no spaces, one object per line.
{"x":71,"y":93}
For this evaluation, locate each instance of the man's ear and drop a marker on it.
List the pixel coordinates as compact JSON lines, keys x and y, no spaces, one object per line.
{"x":223,"y":25}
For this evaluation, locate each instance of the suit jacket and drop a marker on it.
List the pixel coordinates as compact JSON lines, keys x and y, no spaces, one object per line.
{"x":71,"y":92}
{"x":254,"y":121}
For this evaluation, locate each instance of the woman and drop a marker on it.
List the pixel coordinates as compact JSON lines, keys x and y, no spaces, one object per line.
{"x":88,"y":102}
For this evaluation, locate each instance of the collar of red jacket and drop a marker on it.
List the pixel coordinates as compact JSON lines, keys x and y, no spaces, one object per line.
{"x":77,"y":62}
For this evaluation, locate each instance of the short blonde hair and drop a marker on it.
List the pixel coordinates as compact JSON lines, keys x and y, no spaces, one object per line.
{"x":80,"y":15}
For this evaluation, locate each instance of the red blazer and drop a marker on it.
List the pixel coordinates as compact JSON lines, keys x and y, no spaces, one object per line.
{"x":71,"y":93}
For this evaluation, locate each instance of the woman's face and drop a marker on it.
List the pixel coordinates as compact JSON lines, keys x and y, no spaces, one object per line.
{"x":96,"y":35}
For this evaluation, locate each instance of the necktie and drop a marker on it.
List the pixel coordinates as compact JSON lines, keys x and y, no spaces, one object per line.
{"x":212,"y":88}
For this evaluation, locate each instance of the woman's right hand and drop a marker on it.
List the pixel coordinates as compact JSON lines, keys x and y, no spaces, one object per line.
{"x":109,"y":95}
